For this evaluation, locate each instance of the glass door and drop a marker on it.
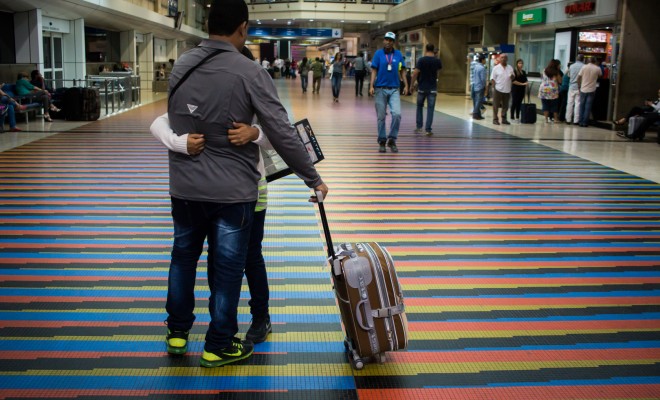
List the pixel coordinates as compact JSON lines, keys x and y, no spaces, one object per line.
{"x":53,"y":65}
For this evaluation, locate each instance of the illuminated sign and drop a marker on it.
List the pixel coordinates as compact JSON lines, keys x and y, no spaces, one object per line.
{"x":528,"y":17}
{"x":579,"y":8}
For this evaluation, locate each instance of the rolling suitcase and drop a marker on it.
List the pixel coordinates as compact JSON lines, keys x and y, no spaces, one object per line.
{"x":369,"y":296}
{"x":528,"y":110}
{"x":81,"y":104}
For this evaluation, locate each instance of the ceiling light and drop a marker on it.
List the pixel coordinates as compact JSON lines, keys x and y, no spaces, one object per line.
{"x":274,"y":19}
{"x":368,"y":22}
{"x":311,"y":20}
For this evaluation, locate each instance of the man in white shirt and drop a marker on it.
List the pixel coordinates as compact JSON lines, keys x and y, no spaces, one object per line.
{"x":588,"y":82}
{"x":573,"y":101}
{"x":501,"y":78}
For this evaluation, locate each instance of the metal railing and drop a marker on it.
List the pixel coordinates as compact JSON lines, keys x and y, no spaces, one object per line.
{"x":115,"y":92}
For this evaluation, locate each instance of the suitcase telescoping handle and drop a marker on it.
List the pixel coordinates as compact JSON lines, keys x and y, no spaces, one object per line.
{"x":326,"y":227}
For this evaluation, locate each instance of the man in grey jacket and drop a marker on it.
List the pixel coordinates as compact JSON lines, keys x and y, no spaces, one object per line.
{"x":214,"y":192}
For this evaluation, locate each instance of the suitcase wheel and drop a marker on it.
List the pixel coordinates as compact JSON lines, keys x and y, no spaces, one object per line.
{"x":380,"y":358}
{"x":358,"y":364}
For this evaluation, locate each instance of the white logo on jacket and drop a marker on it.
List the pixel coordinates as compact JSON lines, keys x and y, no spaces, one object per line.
{"x":191,"y":108}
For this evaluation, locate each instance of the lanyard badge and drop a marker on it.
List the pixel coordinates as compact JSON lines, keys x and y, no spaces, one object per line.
{"x":389,"y":61}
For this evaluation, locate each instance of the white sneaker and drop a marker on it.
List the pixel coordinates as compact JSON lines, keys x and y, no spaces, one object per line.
{"x":419,"y":130}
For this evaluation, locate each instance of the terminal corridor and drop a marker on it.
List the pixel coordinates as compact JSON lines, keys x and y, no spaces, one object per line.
{"x":529,"y":273}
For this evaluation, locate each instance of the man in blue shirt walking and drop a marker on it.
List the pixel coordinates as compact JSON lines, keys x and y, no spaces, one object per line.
{"x":387,"y":66}
{"x":478,"y":87}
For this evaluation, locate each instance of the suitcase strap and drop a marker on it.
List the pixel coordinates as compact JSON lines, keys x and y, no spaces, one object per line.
{"x":389,"y":311}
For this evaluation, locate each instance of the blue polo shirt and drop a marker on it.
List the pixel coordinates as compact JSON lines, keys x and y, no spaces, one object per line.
{"x":385,"y":78}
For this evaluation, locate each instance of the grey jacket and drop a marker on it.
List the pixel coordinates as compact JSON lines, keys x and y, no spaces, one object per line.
{"x":227,"y":88}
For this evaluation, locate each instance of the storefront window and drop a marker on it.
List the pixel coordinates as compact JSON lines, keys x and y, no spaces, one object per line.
{"x":536,"y":50}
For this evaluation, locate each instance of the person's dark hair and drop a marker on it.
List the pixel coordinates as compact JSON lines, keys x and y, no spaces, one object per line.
{"x":304,"y":62}
{"x":247,"y":53}
{"x":430,"y":47}
{"x":552,"y":69}
{"x":594,"y":60}
{"x":101,"y":68}
{"x":225,"y":16}
{"x":317,"y":59}
{"x":482,"y":57}
{"x":22,"y":75}
{"x":339,"y":56}
{"x":580,"y":57}
{"x":34,"y":74}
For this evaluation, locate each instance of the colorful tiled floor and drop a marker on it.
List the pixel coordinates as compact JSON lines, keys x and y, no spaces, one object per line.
{"x":528,"y":273}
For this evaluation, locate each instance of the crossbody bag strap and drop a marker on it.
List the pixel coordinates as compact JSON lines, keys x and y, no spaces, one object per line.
{"x":190,"y":71}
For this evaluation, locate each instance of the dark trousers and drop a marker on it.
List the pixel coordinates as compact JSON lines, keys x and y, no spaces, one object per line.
{"x":359,"y":81}
{"x":563,"y":100}
{"x":500,"y":99}
{"x":517,"y":97}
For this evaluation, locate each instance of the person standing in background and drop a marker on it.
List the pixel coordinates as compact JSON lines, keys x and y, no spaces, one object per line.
{"x":360,"y":67}
{"x":573,"y":97}
{"x":305,"y":67}
{"x":317,"y":70}
{"x":337,"y":75}
{"x":425,"y":81}
{"x":588,"y":82}
{"x":518,"y":89}
{"x":478,"y":87}
{"x":501,"y":79}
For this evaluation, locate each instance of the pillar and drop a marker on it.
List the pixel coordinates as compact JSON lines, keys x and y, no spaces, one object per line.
{"x":639,"y":55}
{"x":452,"y":50}
{"x":28,"y":38}
{"x":496,"y":29}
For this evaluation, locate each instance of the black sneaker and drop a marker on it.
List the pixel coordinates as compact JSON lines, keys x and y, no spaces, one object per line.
{"x":382,"y":148}
{"x":177,"y":342}
{"x":259,"y":329}
{"x":392,"y":144}
{"x":238,"y":350}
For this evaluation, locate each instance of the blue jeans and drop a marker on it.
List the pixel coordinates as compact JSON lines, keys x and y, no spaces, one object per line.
{"x":336,"y":85}
{"x":11,"y":113}
{"x":303,"y":82}
{"x":586,"y":101}
{"x":385,"y":97}
{"x":255,"y":267}
{"x":421,"y":96}
{"x":477,"y":101}
{"x":228,"y":227}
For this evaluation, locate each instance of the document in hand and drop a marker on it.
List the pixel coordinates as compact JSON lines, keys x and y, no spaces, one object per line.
{"x":276,"y":167}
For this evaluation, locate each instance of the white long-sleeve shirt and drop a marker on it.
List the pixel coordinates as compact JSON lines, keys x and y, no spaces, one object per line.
{"x":162,"y":131}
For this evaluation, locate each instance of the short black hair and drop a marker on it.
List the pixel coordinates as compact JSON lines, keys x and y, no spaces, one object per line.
{"x":430,"y":47}
{"x":225,"y":16}
{"x":247,"y":53}
{"x":482,"y":57}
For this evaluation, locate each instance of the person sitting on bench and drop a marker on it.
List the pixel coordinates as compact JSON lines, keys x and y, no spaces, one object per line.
{"x":651,"y":114}
{"x":25,"y":88}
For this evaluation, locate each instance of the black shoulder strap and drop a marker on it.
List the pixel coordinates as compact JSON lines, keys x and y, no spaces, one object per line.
{"x":190,"y":71}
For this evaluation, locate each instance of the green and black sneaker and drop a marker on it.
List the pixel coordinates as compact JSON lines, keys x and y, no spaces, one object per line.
{"x":238,"y":350}
{"x":177,"y":342}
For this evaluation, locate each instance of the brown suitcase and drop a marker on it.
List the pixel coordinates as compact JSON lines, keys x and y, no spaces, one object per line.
{"x":370,"y":299}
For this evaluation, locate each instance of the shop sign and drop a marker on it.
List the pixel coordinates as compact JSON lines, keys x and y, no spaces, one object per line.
{"x":411,"y":37}
{"x":534,"y":16}
{"x":581,"y":7}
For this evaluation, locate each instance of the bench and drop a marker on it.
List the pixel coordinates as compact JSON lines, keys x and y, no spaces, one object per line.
{"x":30,"y":101}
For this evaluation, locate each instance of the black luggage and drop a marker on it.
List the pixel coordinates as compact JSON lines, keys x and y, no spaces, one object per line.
{"x":82,"y":104}
{"x":369,"y":296}
{"x":528,"y":110}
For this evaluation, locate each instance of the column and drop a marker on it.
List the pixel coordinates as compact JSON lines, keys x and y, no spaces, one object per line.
{"x":28,"y":38}
{"x":452,"y":50}
{"x":496,"y":29}
{"x":638,"y":62}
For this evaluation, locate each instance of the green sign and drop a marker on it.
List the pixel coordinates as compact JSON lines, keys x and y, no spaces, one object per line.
{"x":534,"y":16}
